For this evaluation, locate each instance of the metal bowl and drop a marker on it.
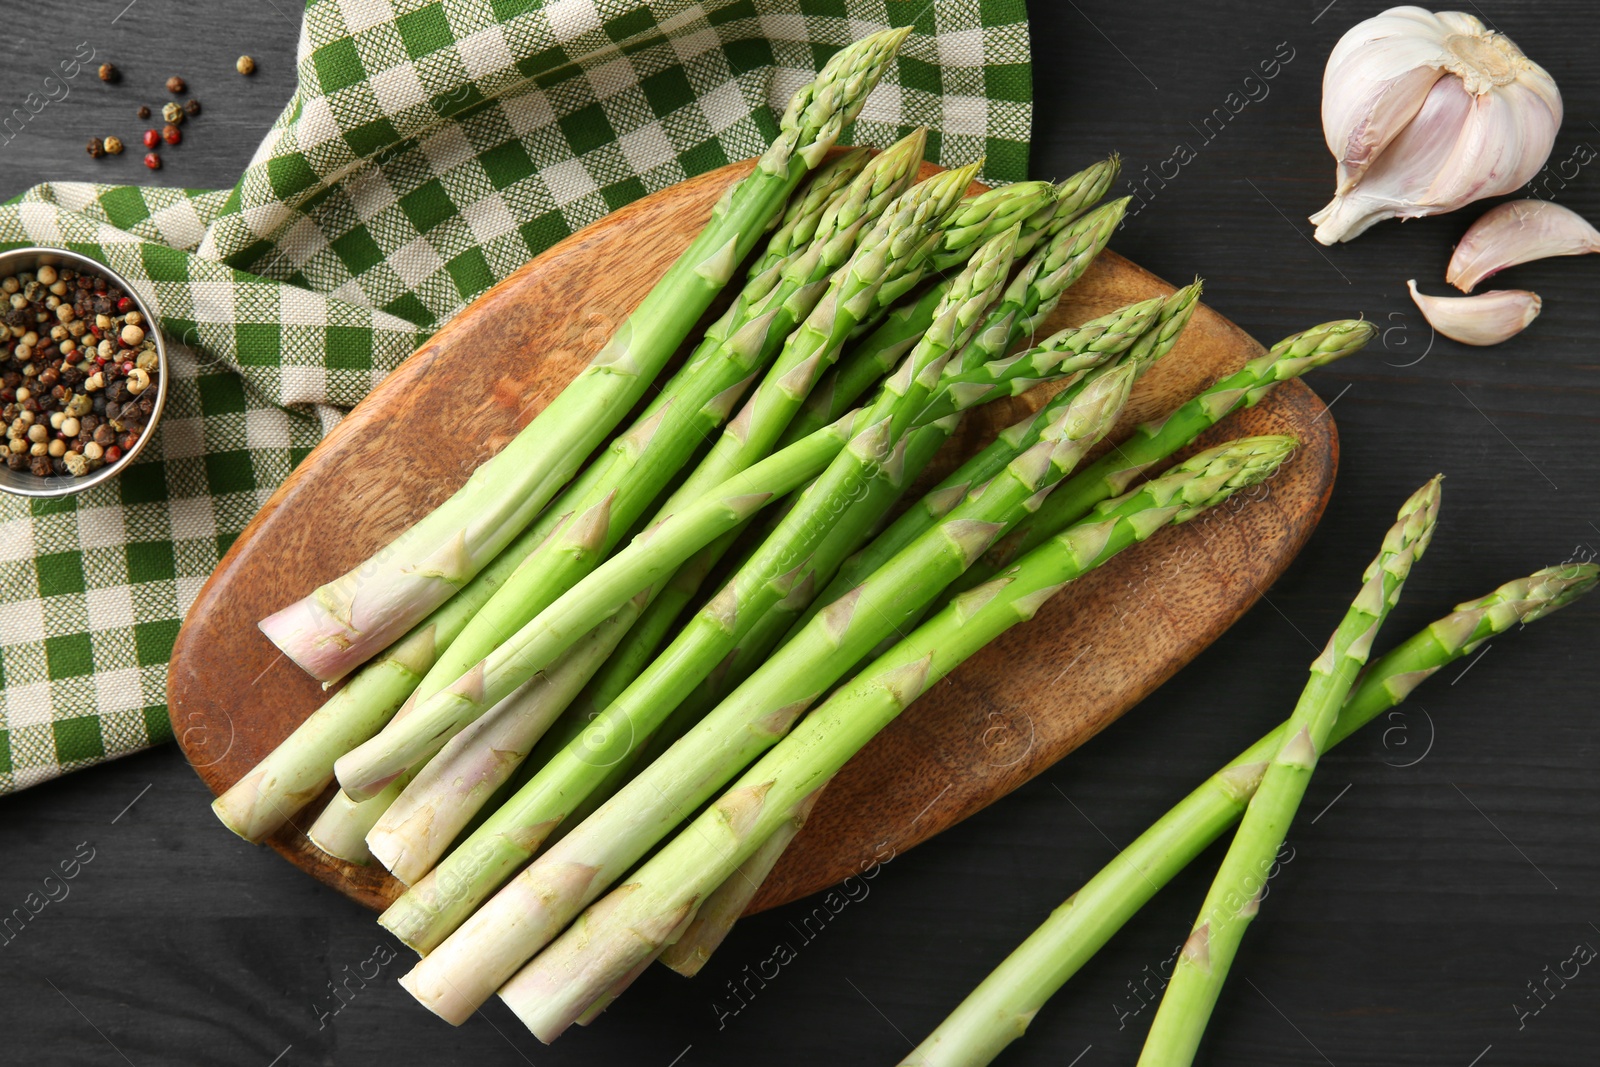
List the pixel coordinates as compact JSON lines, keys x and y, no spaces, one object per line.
{"x":24,"y":483}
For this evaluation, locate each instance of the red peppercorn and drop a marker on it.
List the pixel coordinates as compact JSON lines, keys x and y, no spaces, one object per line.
{"x":171,"y":134}
{"x":125,"y":304}
{"x":152,"y":138}
{"x":113,"y":454}
{"x":152,"y":161}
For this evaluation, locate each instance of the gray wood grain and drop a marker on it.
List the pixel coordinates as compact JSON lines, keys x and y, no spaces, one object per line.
{"x":1418,"y":904}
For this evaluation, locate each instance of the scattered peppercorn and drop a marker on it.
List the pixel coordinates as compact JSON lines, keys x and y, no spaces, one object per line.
{"x":246,"y":65}
{"x":96,"y":148}
{"x":172,"y":113}
{"x":144,"y":112}
{"x":176,"y":84}
{"x":191,"y":107}
{"x":113,"y":146}
{"x":70,"y":405}
{"x":109,"y":73}
{"x":171,"y":134}
{"x":152,"y":138}
{"x":152,"y":161}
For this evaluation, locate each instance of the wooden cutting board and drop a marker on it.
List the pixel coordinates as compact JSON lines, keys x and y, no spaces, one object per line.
{"x":1034,"y":695}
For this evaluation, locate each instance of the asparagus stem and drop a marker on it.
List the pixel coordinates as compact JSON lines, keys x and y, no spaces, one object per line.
{"x":296,"y":772}
{"x":650,"y":558}
{"x":417,"y":828}
{"x":1235,"y":896}
{"x":634,"y":921}
{"x":340,"y":829}
{"x":876,"y":354}
{"x":482,"y":953}
{"x":1000,"y":1008}
{"x":714,"y":919}
{"x":438,"y":903}
{"x":354,"y":617}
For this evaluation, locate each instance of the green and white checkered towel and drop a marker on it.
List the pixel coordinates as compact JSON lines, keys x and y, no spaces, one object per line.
{"x":430,"y":150}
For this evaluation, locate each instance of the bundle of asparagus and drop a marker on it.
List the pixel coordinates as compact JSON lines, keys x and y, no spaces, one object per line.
{"x":530,"y":676}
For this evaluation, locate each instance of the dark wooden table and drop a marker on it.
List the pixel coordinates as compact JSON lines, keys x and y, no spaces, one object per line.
{"x":1444,"y":859}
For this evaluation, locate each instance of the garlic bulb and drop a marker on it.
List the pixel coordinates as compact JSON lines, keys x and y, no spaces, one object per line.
{"x":1518,"y":232}
{"x":1426,"y":112}
{"x":1485,"y":319}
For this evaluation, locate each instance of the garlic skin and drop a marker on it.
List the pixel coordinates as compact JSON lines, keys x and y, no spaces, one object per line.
{"x":1518,"y":232}
{"x":1427,"y":112}
{"x":1485,"y":319}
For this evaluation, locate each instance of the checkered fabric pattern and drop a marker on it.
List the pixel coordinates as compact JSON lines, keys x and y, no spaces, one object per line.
{"x":430,"y":149}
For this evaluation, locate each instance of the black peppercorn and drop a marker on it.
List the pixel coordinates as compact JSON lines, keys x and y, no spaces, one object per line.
{"x":97,"y":148}
{"x":176,"y":84}
{"x":143,"y":112}
{"x":192,"y":107}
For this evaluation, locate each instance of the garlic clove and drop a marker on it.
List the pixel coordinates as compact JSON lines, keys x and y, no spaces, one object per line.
{"x":1375,"y":81}
{"x":1518,"y":232}
{"x":1503,"y":144}
{"x":1485,"y":319}
{"x":1397,"y":185}
{"x":1385,"y":112}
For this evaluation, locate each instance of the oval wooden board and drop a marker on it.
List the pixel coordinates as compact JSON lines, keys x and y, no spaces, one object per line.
{"x":1036,"y":694}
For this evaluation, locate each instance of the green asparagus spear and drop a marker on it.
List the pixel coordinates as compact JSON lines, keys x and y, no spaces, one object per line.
{"x":799,"y":224}
{"x":1235,"y":896}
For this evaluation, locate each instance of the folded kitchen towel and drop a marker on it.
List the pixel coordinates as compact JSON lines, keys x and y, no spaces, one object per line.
{"x":429,"y":150}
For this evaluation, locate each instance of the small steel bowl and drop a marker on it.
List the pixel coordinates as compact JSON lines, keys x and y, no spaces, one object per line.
{"x":24,"y":483}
